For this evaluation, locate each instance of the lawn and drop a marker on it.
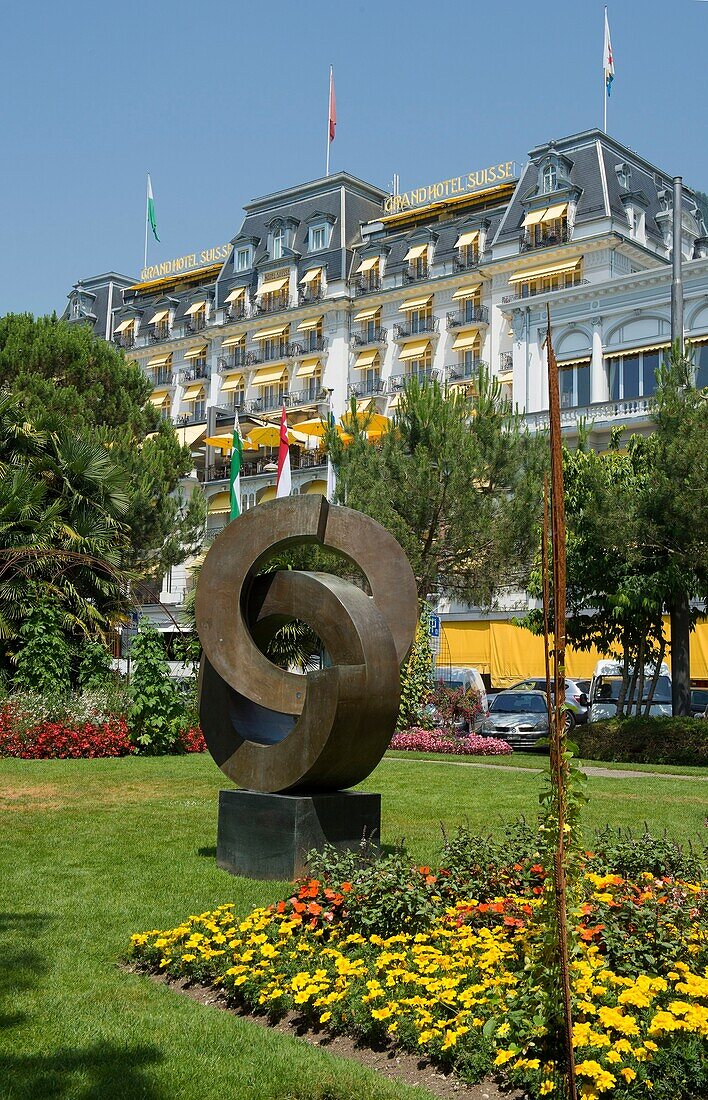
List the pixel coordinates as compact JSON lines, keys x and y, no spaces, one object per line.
{"x":94,"y":850}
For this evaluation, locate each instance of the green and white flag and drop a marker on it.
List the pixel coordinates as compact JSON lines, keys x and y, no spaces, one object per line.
{"x":236,"y":460}
{"x":151,"y":209}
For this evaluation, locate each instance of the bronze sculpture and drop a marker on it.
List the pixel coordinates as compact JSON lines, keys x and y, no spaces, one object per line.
{"x":277,"y":731}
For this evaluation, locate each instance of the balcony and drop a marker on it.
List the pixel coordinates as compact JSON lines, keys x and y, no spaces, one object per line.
{"x":196,"y":417}
{"x":363,"y":339}
{"x":373,"y":388}
{"x":531,"y":240}
{"x":527,"y":292}
{"x":158,"y":333}
{"x":238,"y":360}
{"x":236,"y":312}
{"x":195,"y":323}
{"x":296,"y":399}
{"x":463,"y":372}
{"x":608,"y":412}
{"x":162,"y":377}
{"x":314,"y":344}
{"x":274,"y":306}
{"x":506,"y":361}
{"x":366,"y":286}
{"x":282,"y":350}
{"x":307,"y":294}
{"x":415,"y":328}
{"x":471,"y":315}
{"x":413,"y":273}
{"x":125,"y":339}
{"x":463,"y":262}
{"x":266,"y":403}
{"x":193,"y":374}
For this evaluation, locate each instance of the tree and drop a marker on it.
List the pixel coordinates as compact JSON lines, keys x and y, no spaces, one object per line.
{"x":63,"y":540}
{"x":416,"y":674}
{"x":63,"y":369}
{"x":457,"y":482}
{"x":157,"y":713}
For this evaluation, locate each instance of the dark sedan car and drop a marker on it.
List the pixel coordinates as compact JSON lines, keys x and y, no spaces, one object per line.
{"x":519,"y":717}
{"x":699,"y":702}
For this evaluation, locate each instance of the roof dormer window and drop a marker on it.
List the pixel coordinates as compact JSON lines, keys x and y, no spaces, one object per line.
{"x":550,"y":179}
{"x":318,"y":238}
{"x":277,"y":243}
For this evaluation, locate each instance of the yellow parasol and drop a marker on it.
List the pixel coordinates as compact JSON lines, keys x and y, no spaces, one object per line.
{"x":318,"y":428}
{"x":370,"y":423}
{"x":225,"y":443}
{"x":269,"y":436}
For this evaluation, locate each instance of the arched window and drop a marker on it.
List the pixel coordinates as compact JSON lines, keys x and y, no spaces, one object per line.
{"x":550,"y":178}
{"x":278,"y":241}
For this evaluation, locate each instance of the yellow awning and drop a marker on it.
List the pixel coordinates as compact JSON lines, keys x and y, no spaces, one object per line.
{"x":542,"y":272}
{"x":267,"y":375}
{"x":193,"y":392}
{"x":534,"y":217}
{"x":416,"y":303}
{"x":159,"y":360}
{"x":367,"y":314}
{"x":415,"y":350}
{"x":466,"y":339}
{"x":232,"y":382}
{"x":467,"y":238}
{"x":505,"y":376}
{"x":272,"y":286}
{"x":393,"y":403}
{"x":636,"y":351}
{"x":235,"y":294}
{"x":190,"y":434}
{"x":468,"y":291}
{"x":194,"y":353}
{"x":369,"y":264}
{"x":161,"y":315}
{"x":309,"y":324}
{"x":308,"y":368}
{"x":416,"y":251}
{"x":195,"y":307}
{"x":158,"y":399}
{"x":556,"y":211}
{"x":364,"y":404}
{"x":232,"y":341}
{"x":219,"y":503}
{"x":125,"y":324}
{"x":572,"y":362}
{"x":366,"y":359}
{"x":311,"y":275}
{"x":269,"y":333}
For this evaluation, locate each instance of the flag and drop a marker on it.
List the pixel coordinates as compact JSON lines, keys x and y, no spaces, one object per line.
{"x":608,"y":62}
{"x":331,"y":476}
{"x":236,"y":460}
{"x":283,"y":481}
{"x":151,"y":210}
{"x":332,"y":105}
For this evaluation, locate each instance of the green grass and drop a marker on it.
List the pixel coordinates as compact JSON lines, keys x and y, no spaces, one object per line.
{"x":94,"y":850}
{"x":537,"y":762}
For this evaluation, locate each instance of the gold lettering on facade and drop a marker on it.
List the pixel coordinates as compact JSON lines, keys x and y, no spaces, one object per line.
{"x":456,"y":185}
{"x":182,"y":264}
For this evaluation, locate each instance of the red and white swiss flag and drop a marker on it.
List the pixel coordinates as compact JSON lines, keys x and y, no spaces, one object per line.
{"x":283,"y":483}
{"x":332,"y":105}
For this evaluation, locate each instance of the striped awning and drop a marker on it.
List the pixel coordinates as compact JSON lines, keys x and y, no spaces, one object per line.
{"x":159,"y":360}
{"x":467,"y":238}
{"x":125,"y":325}
{"x":311,"y":275}
{"x":269,"y":333}
{"x":161,"y":397}
{"x":272,"y":286}
{"x":195,"y":307}
{"x":416,"y":303}
{"x":232,"y":382}
{"x":543,"y":272}
{"x":161,"y":315}
{"x":196,"y":353}
{"x":635,"y":351}
{"x":193,"y":392}
{"x":415,"y":350}
{"x":466,"y":339}
{"x":468,"y":291}
{"x":232,"y":341}
{"x":268,"y":375}
{"x":368,"y":264}
{"x":573,"y":362}
{"x":416,"y":251}
{"x":366,"y":359}
{"x":235,"y":294}
{"x":308,"y":368}
{"x":309,"y":324}
{"x":367,"y":314}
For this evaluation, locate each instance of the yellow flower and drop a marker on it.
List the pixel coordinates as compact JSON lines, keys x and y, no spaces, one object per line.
{"x":325,"y":1017}
{"x":546,"y":1087}
{"x":628,"y":1074}
{"x":504,"y":1056}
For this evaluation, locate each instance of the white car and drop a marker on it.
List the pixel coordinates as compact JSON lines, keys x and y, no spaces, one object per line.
{"x":606,"y":685}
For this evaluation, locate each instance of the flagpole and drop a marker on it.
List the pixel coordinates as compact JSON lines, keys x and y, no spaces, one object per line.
{"x":329,"y":104}
{"x":604,"y":82}
{"x":147,"y":200}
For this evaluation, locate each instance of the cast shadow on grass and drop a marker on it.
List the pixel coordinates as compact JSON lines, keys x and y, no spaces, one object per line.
{"x":208,"y":853}
{"x":105,"y":1071}
{"x":22,"y":963}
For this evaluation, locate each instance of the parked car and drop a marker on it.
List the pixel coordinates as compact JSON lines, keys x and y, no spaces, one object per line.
{"x":607,"y":683}
{"x":576,"y":700}
{"x":699,"y":702}
{"x":519,"y":717}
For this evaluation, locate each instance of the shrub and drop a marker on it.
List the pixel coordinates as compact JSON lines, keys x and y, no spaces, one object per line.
{"x":57,"y":741}
{"x":416,"y":674}
{"x":645,"y":740}
{"x":191,"y":740}
{"x":437,"y":740}
{"x":157,"y":713}
{"x":43,"y":658}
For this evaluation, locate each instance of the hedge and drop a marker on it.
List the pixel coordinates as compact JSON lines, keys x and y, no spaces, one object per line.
{"x":645,"y":740}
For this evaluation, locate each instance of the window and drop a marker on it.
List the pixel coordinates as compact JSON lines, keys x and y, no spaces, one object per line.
{"x":313,"y":386}
{"x":421,"y":320}
{"x":632,"y":376}
{"x":575,"y":385}
{"x":420,"y":368}
{"x":235,"y":399}
{"x":272,"y":397}
{"x":313,"y":338}
{"x":276,"y":251}
{"x":701,"y":366}
{"x":550,"y":178}
{"x":371,"y":379}
{"x":371,"y":329}
{"x":318,"y":238}
{"x":75,"y":306}
{"x":468,"y":254}
{"x":274,"y":348}
{"x":243,"y":259}
{"x":469,"y":309}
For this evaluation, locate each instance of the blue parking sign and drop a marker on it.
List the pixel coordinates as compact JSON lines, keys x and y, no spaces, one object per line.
{"x":434,"y":626}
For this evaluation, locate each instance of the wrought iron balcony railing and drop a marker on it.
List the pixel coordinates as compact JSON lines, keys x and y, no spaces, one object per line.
{"x":462,"y":261}
{"x":195,"y":323}
{"x":372,"y":388}
{"x":125,"y":339}
{"x":368,"y":285}
{"x":158,"y":333}
{"x":281,"y":350}
{"x":236,"y":312}
{"x":413,"y":273}
{"x":462,"y":372}
{"x":162,"y":377}
{"x":363,"y":339}
{"x":529,"y":239}
{"x":311,"y":293}
{"x":525,"y":291}
{"x":194,"y":374}
{"x":469,"y":315}
{"x":275,"y":305}
{"x":312,"y":396}
{"x":313,"y":344}
{"x":506,"y":361}
{"x":418,"y":327}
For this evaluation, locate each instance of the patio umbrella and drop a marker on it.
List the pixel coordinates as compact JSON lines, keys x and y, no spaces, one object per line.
{"x":225,"y":442}
{"x":318,"y":428}
{"x":269,"y":436}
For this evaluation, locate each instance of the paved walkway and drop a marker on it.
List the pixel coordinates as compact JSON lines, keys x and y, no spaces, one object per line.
{"x":602,"y":773}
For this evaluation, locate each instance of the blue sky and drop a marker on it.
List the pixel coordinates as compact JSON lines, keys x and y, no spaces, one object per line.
{"x":225,"y":101}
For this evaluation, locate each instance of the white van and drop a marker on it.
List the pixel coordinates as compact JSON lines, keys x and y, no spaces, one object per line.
{"x":457,"y":676}
{"x":606,"y":684}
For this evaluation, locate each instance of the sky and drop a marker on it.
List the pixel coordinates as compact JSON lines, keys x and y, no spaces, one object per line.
{"x":226,"y":101}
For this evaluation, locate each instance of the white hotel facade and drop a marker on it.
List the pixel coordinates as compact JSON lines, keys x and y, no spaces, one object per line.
{"x":333,"y":288}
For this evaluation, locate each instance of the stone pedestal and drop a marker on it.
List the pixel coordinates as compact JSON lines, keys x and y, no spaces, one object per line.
{"x":266,"y":836}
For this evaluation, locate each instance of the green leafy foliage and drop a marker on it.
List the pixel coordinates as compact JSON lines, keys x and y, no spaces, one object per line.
{"x":93,"y":665}
{"x":646,"y":740}
{"x":416,"y":674}
{"x":157,"y":712}
{"x":44,"y":655}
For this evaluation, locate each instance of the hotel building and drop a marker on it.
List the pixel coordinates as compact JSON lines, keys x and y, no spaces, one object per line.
{"x":334,"y":289}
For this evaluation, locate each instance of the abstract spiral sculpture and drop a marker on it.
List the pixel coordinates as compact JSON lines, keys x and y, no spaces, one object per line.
{"x":277,"y":731}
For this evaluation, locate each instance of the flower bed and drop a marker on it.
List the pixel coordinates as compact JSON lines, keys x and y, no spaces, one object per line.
{"x":459,"y":985}
{"x":77,"y":740}
{"x":436,"y":740}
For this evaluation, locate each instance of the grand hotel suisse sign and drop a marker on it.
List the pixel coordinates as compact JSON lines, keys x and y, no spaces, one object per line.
{"x":192,"y":262}
{"x":447,"y":189}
